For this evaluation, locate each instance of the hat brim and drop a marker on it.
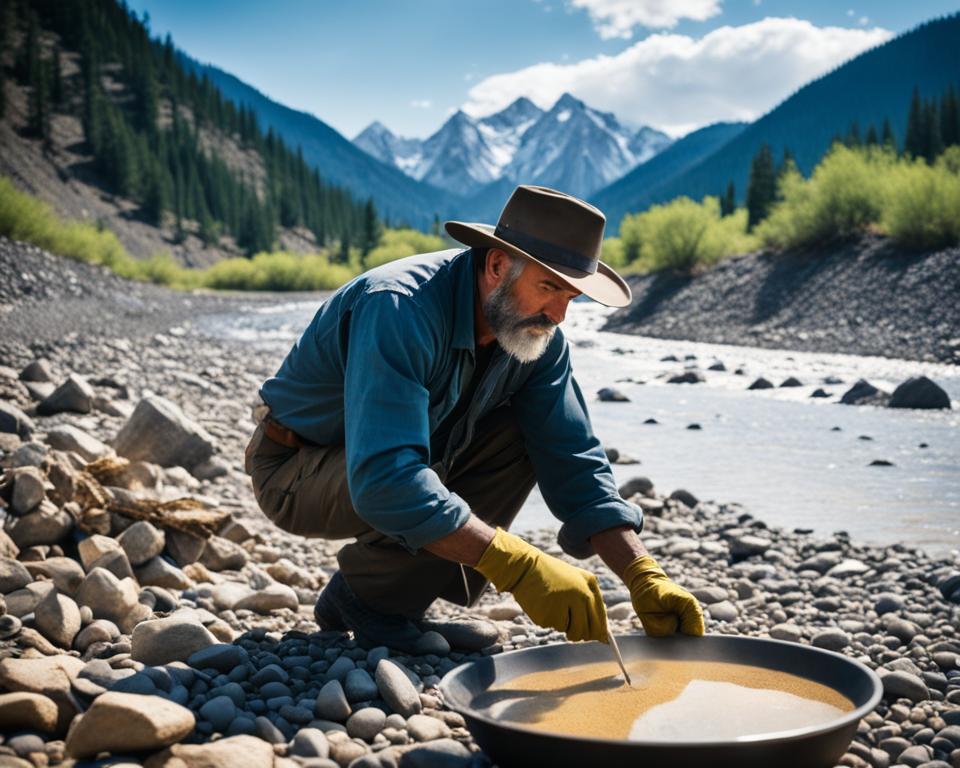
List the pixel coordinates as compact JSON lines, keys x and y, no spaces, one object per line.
{"x":604,"y":286}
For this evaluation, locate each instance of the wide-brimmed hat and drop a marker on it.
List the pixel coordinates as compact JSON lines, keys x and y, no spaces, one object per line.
{"x":556,"y":230}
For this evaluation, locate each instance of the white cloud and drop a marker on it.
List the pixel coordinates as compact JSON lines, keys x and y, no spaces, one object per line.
{"x":617,"y":18}
{"x":421,"y":103}
{"x":678,"y":83}
{"x":863,"y":21}
{"x":851,"y":12}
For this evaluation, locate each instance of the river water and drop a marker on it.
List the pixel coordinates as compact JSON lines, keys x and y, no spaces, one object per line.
{"x":774,"y":451}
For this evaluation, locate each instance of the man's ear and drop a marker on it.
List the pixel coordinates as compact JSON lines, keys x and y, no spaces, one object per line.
{"x":497,"y":266}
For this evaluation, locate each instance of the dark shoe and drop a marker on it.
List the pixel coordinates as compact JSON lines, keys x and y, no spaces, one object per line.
{"x":338,"y":608}
{"x":464,"y":634}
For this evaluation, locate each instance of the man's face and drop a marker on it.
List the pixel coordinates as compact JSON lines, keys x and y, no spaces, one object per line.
{"x":525,"y":309}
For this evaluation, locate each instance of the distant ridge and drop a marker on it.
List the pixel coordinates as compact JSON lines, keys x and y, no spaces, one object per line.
{"x":399,"y":198}
{"x":875,"y":85}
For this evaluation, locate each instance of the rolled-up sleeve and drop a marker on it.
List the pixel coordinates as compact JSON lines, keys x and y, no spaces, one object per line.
{"x":572,"y":470}
{"x":391,"y":351}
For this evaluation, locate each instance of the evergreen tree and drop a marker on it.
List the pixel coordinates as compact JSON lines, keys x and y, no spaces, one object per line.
{"x":728,"y":200}
{"x":932,"y":141}
{"x":39,"y":118}
{"x":950,"y":118}
{"x":372,"y":230}
{"x":913,"y":141}
{"x":56,"y":78}
{"x":852,"y":139}
{"x":157,"y":195}
{"x":435,"y":226}
{"x":871,"y":139}
{"x":761,"y":186}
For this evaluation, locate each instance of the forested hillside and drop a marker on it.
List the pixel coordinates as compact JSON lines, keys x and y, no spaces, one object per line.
{"x":161,"y":137}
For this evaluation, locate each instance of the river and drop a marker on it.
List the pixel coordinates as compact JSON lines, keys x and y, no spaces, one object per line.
{"x":774,"y":451}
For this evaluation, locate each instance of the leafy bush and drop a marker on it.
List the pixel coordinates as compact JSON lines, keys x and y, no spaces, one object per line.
{"x":923,"y":209}
{"x":400,"y":243}
{"x":844,"y":196}
{"x":277,"y":272}
{"x":681,"y":235}
{"x":612,"y":252}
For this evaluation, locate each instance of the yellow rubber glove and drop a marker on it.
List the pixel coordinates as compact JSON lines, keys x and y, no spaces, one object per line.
{"x":660,"y":604}
{"x":551,"y":592}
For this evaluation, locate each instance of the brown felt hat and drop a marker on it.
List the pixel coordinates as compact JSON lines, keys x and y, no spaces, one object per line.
{"x":556,"y":230}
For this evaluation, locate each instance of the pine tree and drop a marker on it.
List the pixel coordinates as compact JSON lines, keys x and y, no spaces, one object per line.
{"x":932,"y":141}
{"x":871,"y":139}
{"x":156,"y":195}
{"x":761,"y":187}
{"x":372,"y":230}
{"x":950,"y":118}
{"x":728,"y":200}
{"x":56,"y":78}
{"x":39,"y":119}
{"x":852,"y":139}
{"x":913,"y":141}
{"x":435,"y":226}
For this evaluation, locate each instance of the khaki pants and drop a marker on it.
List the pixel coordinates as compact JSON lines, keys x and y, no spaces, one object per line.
{"x":304,"y":491}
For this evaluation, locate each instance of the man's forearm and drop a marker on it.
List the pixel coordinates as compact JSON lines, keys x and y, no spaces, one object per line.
{"x":618,"y":547}
{"x":466,"y":544}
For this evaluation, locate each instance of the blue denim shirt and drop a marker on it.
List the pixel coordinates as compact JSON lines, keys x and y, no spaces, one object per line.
{"x":383,"y":362}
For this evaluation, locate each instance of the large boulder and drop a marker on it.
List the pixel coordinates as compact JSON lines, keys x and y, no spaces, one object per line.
{"x":128,"y":722}
{"x":919,"y":392}
{"x":159,"y":432}
{"x":50,"y":676}
{"x":864,"y":393}
{"x":174,"y":638}
{"x":73,"y":395}
{"x":15,"y":421}
{"x":107,"y":596}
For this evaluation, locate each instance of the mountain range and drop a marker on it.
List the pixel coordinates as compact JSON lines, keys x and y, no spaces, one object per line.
{"x":571,"y":146}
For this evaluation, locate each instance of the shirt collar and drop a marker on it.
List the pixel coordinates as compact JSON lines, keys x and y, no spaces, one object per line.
{"x":464,"y":286}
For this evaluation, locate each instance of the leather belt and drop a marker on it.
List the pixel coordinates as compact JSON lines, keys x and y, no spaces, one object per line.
{"x":284,"y":436}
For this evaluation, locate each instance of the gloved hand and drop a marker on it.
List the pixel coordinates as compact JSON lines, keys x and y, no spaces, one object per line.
{"x":551,"y":592}
{"x":660,"y":604}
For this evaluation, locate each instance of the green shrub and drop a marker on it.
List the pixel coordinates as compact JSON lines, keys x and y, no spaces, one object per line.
{"x":844,"y":196}
{"x":400,"y":243}
{"x":612,"y":252}
{"x":277,"y":272}
{"x":682,"y":235}
{"x":922,"y":211}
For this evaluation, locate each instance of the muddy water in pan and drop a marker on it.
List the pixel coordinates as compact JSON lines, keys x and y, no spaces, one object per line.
{"x":675,"y":701}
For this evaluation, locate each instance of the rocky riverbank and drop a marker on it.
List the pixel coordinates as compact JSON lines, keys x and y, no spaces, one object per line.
{"x":152,"y":614}
{"x":860,"y":296}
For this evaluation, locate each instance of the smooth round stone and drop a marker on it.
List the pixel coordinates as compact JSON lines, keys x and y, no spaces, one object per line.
{"x":426,"y":728}
{"x":142,"y":541}
{"x":338,"y":670}
{"x":234,"y":691}
{"x":309,"y":742}
{"x":723,"y":611}
{"x":789,"y":632}
{"x":375,"y":654}
{"x":25,"y":744}
{"x":366,"y":723}
{"x":31,"y":711}
{"x":9,"y":626}
{"x":174,"y":638}
{"x":241,"y":725}
{"x":831,"y":639}
{"x":331,"y":703}
{"x":98,"y":631}
{"x":904,"y":685}
{"x":267,"y":731}
{"x":888,"y":602}
{"x":272,"y":673}
{"x":219,"y":712}
{"x":359,"y":686}
{"x":396,"y":689}
{"x":296,"y":715}
{"x":222,"y":657}
{"x":58,"y":619}
{"x":432,"y":642}
{"x":274,"y":689}
{"x":445,"y":752}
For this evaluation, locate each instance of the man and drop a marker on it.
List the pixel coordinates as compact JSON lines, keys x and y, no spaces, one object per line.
{"x":417,"y":411}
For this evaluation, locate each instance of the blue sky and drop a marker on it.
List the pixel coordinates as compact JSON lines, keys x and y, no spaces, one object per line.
{"x":673,"y":64}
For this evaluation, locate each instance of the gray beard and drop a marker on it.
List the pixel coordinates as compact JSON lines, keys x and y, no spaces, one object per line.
{"x":525,"y":338}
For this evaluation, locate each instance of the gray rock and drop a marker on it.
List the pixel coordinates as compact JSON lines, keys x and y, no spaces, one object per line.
{"x":442,"y":753}
{"x":396,"y":689}
{"x":848,"y":567}
{"x":58,"y":619}
{"x":611,"y":395}
{"x":185,"y":548}
{"x":635,"y":485}
{"x":20,"y":602}
{"x":426,"y":728}
{"x":271,"y":598}
{"x":266,"y":730}
{"x":13,"y":575}
{"x":141,"y":541}
{"x":723,"y":611}
{"x":864,"y":393}
{"x":900,"y":628}
{"x":211,"y":469}
{"x":709,"y":595}
{"x":107,"y":596}
{"x":14,"y":421}
{"x":789,"y":632}
{"x":431,"y":642}
{"x":66,"y":437}
{"x":37,"y":370}
{"x":126,"y":722}
{"x":157,"y":572}
{"x":28,"y":711}
{"x":331,"y":702}
{"x":309,"y":742}
{"x":65,"y":573}
{"x":748,"y":545}
{"x":29,"y":454}
{"x":888,"y":602}
{"x":115,"y":561}
{"x":359,"y":686}
{"x":831,"y":639}
{"x":222,"y":657}
{"x":29,"y":489}
{"x":919,"y":392}
{"x":160,"y":433}
{"x":220,"y":554}
{"x":761,"y":383}
{"x":366,"y":723}
{"x":174,"y":638}
{"x":75,"y":395}
{"x":46,"y":525}
{"x":219,"y":712}
{"x":904,"y":685}
{"x":98,"y":631}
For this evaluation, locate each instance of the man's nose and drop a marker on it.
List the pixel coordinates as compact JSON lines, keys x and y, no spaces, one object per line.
{"x":556,"y":310}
